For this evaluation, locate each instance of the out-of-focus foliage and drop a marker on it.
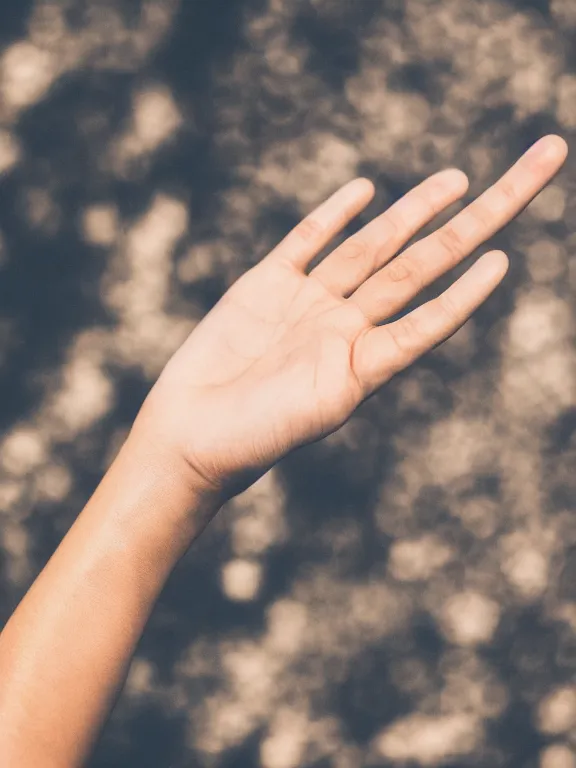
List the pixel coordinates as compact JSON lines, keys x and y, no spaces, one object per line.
{"x":405,"y":591}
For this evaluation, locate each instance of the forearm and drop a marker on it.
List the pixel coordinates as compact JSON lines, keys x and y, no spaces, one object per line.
{"x":65,"y":651}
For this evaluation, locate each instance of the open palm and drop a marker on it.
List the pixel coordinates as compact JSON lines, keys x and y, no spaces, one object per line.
{"x":286,"y":356}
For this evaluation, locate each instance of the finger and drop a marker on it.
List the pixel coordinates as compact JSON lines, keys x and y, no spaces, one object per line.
{"x":349,"y":265}
{"x":383,"y":351}
{"x":316,"y":230}
{"x":386,"y":292}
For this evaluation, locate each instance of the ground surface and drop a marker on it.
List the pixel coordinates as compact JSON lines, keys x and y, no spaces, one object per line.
{"x":405,"y":591}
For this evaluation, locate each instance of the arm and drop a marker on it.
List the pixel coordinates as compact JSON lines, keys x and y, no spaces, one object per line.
{"x":65,"y":652}
{"x":282,"y":360}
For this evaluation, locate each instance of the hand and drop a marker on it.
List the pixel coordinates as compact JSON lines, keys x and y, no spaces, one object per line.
{"x":285,"y":357}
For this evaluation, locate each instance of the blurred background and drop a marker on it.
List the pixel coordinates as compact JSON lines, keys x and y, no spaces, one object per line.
{"x":404,"y":592}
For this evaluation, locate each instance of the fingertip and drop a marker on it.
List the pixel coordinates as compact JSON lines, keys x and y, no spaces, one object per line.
{"x":366,"y":187}
{"x":561,"y":144}
{"x":549,"y":148}
{"x":456,"y":178}
{"x":497,"y":261}
{"x":501,"y":258}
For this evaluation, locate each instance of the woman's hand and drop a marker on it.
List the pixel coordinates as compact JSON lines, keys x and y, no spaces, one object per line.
{"x":285,"y":357}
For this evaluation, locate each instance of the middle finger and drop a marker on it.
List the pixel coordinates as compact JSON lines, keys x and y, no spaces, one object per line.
{"x":390,"y":289}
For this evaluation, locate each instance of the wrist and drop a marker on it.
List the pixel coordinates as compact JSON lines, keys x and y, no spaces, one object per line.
{"x":159,"y":503}
{"x":170,"y":431}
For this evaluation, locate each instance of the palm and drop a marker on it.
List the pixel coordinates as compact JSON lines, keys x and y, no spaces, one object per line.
{"x":279,"y":337}
{"x":284,"y":358}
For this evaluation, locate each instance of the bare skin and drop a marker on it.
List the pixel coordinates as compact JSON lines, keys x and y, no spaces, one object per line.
{"x":292,"y":354}
{"x":283,"y":359}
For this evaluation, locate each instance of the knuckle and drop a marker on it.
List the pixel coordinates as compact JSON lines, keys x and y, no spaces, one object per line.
{"x":451,"y":241}
{"x":449,"y":309}
{"x":403,"y":269}
{"x":508,"y":192}
{"x":481,"y":215}
{"x":404,"y":334}
{"x":309,"y":229}
{"x":354,"y":248}
{"x":429,"y":206}
{"x":393,"y":224}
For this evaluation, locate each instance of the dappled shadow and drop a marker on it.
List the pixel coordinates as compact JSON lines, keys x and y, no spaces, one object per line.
{"x":403,"y":592}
